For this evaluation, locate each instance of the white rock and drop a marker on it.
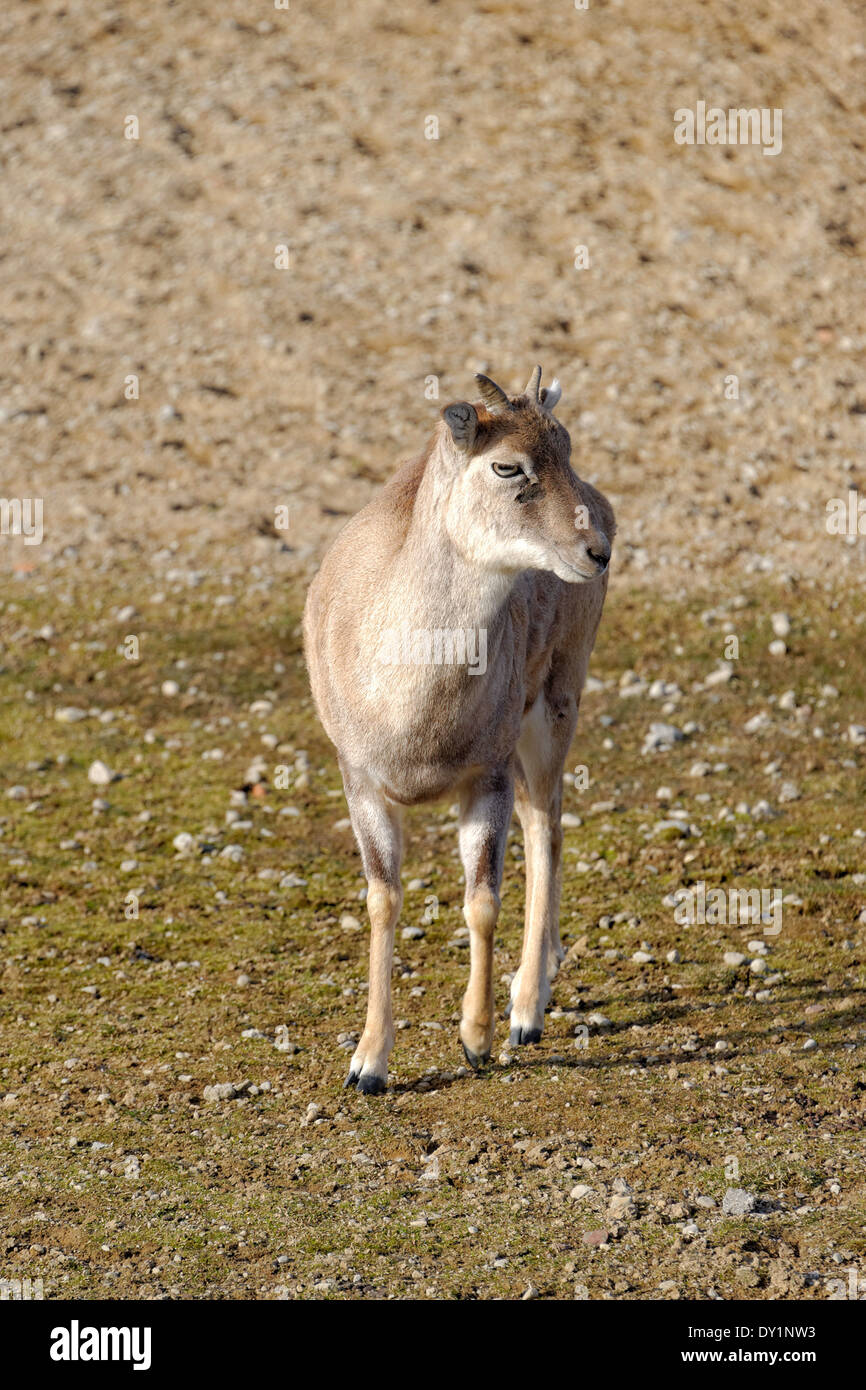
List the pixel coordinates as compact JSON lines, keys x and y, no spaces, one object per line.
{"x":69,"y":714}
{"x":170,"y":688}
{"x":409,"y":933}
{"x":734,"y":958}
{"x":99,"y":774}
{"x":777,"y":647}
{"x":781,"y":624}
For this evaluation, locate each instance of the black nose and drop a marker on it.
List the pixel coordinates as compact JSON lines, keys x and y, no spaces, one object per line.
{"x":601,"y":553}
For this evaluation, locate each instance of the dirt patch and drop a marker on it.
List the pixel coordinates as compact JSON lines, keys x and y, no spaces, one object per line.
{"x":414,"y":258}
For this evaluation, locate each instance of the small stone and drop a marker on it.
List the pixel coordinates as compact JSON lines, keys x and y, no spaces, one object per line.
{"x":809,"y":1045}
{"x":661,"y":737}
{"x":673,"y":957}
{"x":17,"y":793}
{"x":857,"y":733}
{"x":349,"y":923}
{"x":643,"y":958}
{"x":170,"y":688}
{"x":758,"y":966}
{"x":224,"y":1090}
{"x":734,"y":958}
{"x":579,"y":1191}
{"x":69,"y":714}
{"x":184,"y":843}
{"x":599,"y":1020}
{"x":594,"y":1238}
{"x":789,"y":791}
{"x":99,"y":774}
{"x":621,"y":1206}
{"x":781,"y":624}
{"x":412,"y":933}
{"x":570,"y":821}
{"x":738,"y":1202}
{"x":282,"y":1042}
{"x":777,"y":647}
{"x":242,"y":981}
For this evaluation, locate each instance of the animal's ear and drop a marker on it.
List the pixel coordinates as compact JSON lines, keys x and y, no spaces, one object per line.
{"x":462,"y":421}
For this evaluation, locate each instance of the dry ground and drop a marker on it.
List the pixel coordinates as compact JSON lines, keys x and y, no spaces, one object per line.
{"x":261,"y":388}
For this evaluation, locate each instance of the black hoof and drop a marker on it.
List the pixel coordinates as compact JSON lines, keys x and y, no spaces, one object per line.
{"x":371,"y":1085}
{"x":475,"y":1059}
{"x":519,"y":1037}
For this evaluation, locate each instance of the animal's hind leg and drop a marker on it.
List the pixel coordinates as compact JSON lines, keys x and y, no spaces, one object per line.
{"x":485,"y":814}
{"x":378,"y":828}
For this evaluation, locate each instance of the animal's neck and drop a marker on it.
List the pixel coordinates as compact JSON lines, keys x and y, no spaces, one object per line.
{"x":433,"y":583}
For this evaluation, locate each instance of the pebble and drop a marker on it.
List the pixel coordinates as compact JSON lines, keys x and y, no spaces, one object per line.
{"x":224,"y":1090}
{"x":778,"y":647}
{"x":810,"y":1045}
{"x":170,"y":688}
{"x":781,"y":624}
{"x":350,"y":923}
{"x":643,"y":958}
{"x":69,"y":714}
{"x":409,"y":933}
{"x":570,"y":821}
{"x":580,"y":1191}
{"x":99,"y":774}
{"x":599,"y":1020}
{"x":17,"y":793}
{"x":738,"y":1202}
{"x":789,"y":791}
{"x":857,"y":733}
{"x":282,"y":1042}
{"x":721,"y":675}
{"x":184,"y":843}
{"x":233,"y":853}
{"x":758,"y":966}
{"x":661,"y":737}
{"x":734,"y":958}
{"x":673,"y":957}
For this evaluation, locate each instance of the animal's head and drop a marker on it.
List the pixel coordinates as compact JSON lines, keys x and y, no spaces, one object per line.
{"x":515,"y":503}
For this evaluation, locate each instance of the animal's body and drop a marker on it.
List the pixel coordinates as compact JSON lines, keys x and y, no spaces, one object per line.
{"x":448,"y":634}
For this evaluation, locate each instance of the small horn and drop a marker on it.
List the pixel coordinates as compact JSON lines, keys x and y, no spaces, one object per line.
{"x":533,"y":384}
{"x":492,"y":395}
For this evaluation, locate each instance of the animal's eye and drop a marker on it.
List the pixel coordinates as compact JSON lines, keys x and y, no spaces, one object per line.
{"x":507,"y":470}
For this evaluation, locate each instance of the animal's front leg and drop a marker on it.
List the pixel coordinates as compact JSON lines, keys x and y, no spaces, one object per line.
{"x":378,"y":828}
{"x":485,"y":814}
